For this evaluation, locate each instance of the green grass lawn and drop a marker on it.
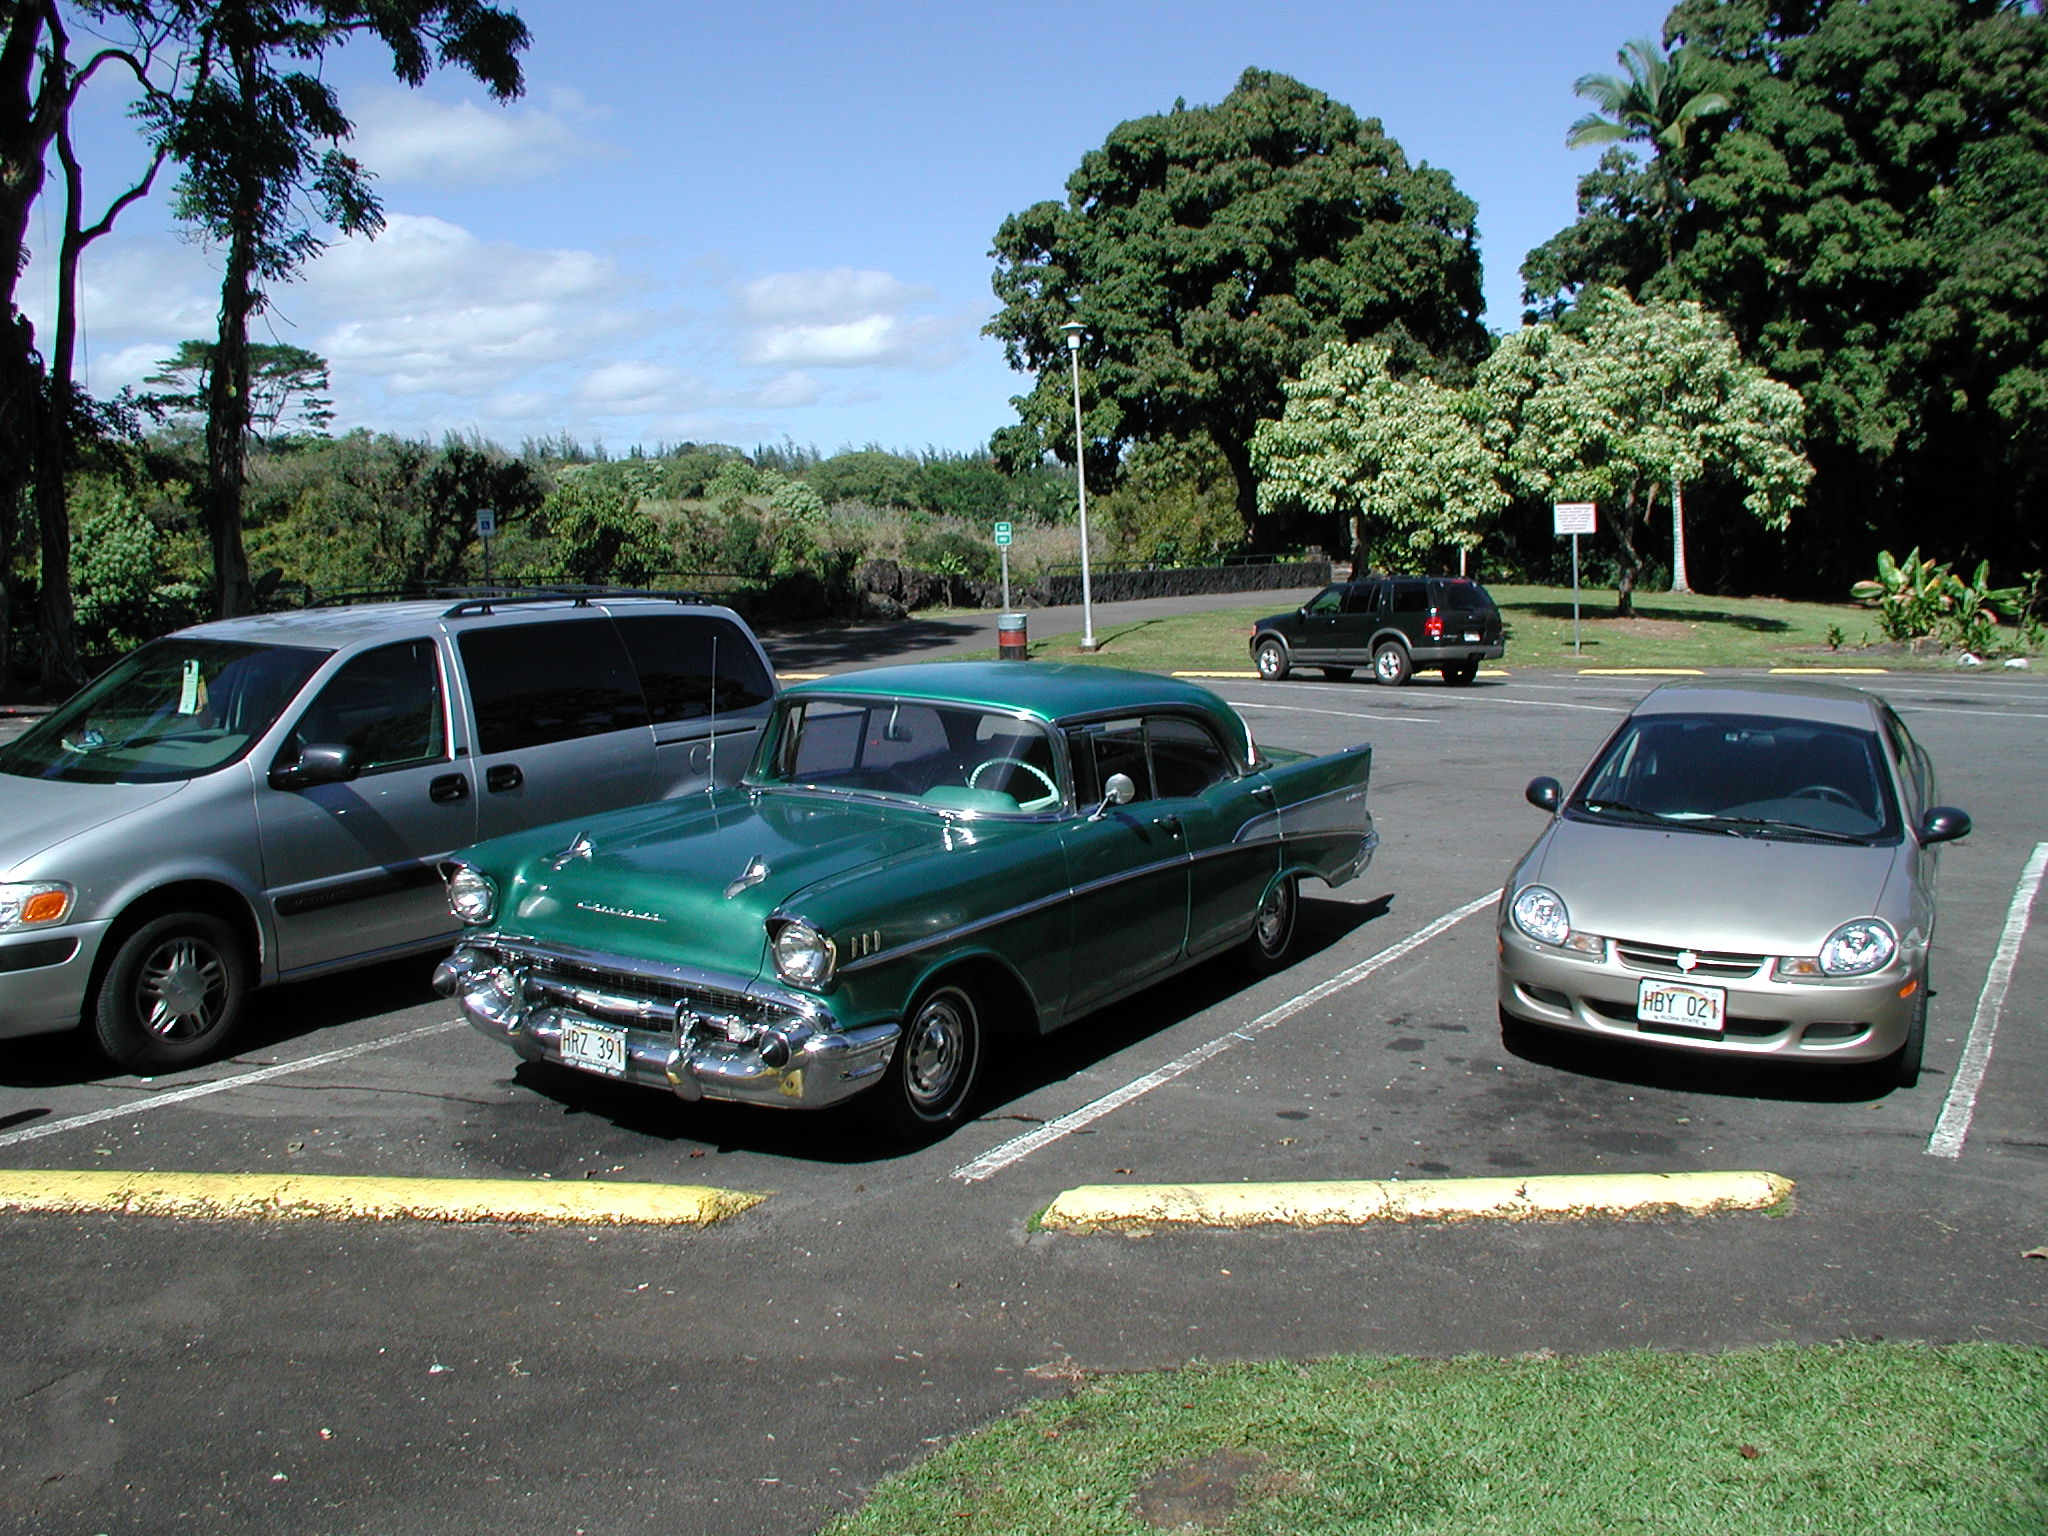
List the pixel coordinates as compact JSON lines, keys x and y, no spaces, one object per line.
{"x":1668,"y":630}
{"x":1852,"y":1439}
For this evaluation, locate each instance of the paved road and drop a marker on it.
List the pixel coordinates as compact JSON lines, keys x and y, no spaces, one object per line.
{"x":752,"y":1377}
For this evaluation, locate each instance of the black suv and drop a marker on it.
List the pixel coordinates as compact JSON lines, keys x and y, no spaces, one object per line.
{"x":1393,"y":624}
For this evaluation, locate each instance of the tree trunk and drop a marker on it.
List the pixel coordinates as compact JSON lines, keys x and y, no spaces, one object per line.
{"x":1238,"y":456}
{"x":1625,"y":536}
{"x":1679,"y":583}
{"x":227,"y":434}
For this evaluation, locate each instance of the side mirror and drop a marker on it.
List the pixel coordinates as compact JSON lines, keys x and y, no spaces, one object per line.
{"x":1118,"y":791}
{"x":1546,"y":794}
{"x":320,"y":763}
{"x":1943,"y":824}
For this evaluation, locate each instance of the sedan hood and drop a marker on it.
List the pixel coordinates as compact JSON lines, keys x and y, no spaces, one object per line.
{"x":38,"y":814}
{"x":1710,"y":891}
{"x":693,"y":882}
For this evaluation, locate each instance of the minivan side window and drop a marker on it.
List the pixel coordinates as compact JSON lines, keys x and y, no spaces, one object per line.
{"x":538,"y":683}
{"x":690,"y":664}
{"x":385,"y":704}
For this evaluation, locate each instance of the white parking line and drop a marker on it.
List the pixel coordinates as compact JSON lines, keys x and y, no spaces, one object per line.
{"x":1961,"y":1104}
{"x":997,"y":1158}
{"x":1342,"y":714}
{"x":219,"y":1085}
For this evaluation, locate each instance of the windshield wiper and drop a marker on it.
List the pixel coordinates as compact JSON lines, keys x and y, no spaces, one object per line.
{"x":1774,"y":824}
{"x":1616,"y":808}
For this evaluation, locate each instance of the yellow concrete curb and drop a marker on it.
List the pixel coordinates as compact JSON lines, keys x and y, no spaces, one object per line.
{"x":1642,"y":672}
{"x":1830,"y":671}
{"x":1355,"y":1203}
{"x":800,"y":677}
{"x":338,"y":1197}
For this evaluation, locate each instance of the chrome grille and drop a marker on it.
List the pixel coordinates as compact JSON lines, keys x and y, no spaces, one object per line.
{"x":1662,"y":960}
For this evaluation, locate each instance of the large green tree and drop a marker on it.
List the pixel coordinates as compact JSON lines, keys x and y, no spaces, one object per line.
{"x":1871,"y":216}
{"x":261,"y":140}
{"x":1210,"y":252}
{"x":1653,"y":102}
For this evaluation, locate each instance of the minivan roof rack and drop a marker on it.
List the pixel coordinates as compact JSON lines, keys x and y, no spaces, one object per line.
{"x":582,"y":597}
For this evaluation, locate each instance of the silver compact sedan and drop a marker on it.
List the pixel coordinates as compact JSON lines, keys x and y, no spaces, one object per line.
{"x":1746,"y":869}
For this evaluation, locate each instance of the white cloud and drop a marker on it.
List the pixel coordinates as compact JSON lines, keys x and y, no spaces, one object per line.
{"x":405,"y":136}
{"x":842,"y":318}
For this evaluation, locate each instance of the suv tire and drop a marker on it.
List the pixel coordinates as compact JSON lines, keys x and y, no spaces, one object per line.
{"x":1271,"y":660}
{"x":1390,"y":664}
{"x":1460,"y":674}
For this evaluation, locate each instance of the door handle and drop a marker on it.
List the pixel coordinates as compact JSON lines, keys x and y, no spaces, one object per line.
{"x":448,"y":788}
{"x":503,"y":776}
{"x":1170,"y":823}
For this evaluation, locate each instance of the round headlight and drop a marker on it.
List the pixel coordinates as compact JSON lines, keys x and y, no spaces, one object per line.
{"x":471,"y":895}
{"x":804,"y":957}
{"x":1540,"y":913}
{"x":1858,"y":948}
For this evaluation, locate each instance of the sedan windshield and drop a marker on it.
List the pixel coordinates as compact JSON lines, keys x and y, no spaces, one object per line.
{"x":947,"y":756}
{"x":173,"y":710}
{"x":1744,"y":775}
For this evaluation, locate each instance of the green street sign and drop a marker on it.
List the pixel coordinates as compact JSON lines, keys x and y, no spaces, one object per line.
{"x":1002,"y":534}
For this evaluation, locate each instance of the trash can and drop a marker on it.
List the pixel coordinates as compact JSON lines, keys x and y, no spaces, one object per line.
{"x":1012,"y":641}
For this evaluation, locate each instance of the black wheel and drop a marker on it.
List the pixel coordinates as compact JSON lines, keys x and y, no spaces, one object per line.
{"x":1390,"y":664}
{"x":172,"y":994}
{"x":1271,"y":940}
{"x":932,"y":1076}
{"x":1337,"y":674}
{"x":1270,"y":657}
{"x":1905,"y":1066}
{"x":1461,"y":674}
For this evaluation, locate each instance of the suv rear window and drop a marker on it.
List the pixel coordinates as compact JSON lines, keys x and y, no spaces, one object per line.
{"x":1466,"y":597}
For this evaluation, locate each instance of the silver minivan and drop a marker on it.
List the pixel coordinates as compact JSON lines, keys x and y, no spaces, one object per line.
{"x":266,"y":799}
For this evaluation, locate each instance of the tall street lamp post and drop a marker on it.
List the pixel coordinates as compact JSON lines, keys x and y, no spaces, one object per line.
{"x":1074,"y":331}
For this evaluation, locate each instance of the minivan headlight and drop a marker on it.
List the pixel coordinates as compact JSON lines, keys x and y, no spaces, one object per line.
{"x":804,"y":957}
{"x":471,"y":894}
{"x":34,"y":905}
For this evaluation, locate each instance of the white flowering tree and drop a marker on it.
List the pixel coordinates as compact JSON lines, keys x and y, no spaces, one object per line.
{"x":1621,"y":399}
{"x":1403,"y":457}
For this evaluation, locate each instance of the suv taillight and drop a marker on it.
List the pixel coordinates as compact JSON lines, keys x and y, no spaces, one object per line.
{"x":1433,"y":627}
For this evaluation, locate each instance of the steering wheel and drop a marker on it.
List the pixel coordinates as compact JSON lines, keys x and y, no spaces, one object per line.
{"x":1052,"y":790}
{"x":1826,"y":792}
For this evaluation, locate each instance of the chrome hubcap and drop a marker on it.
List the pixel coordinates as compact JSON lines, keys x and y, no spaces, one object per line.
{"x":181,"y":989}
{"x":937,"y":1052}
{"x":1275,"y":912}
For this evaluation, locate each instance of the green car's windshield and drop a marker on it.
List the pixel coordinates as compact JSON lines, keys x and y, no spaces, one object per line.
{"x":1745,"y":775}
{"x":951,"y":757}
{"x":175,"y":709}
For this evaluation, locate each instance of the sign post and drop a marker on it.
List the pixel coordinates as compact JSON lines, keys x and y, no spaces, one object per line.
{"x":1003,"y":544}
{"x":1574,"y":518}
{"x":486,"y":526}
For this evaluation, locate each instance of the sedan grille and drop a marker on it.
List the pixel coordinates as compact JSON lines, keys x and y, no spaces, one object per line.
{"x":1662,"y":960}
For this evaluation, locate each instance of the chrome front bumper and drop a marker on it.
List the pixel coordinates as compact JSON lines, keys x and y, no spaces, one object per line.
{"x":698,"y":1035}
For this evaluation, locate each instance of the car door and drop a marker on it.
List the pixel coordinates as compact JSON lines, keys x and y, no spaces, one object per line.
{"x":562,"y":728}
{"x":708,"y":687}
{"x":349,"y":869}
{"x":1352,"y":633}
{"x":1227,"y":827}
{"x":1315,"y":638}
{"x":1127,"y":869}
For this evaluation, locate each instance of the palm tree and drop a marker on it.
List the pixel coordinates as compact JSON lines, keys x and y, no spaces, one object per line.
{"x":1655,"y":103}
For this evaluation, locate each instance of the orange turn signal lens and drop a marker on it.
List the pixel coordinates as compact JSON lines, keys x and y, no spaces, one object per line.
{"x":46,"y":907}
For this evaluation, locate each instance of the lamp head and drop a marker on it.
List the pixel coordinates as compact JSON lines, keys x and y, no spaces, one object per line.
{"x":1074,"y":330}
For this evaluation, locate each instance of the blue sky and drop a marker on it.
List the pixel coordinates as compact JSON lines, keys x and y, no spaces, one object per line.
{"x":750,"y":224}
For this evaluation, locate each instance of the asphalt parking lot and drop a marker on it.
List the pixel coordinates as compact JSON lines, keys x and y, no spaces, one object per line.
{"x":753,"y":1376}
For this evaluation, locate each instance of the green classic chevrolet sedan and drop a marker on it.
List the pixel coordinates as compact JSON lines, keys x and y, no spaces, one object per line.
{"x":918,"y":857}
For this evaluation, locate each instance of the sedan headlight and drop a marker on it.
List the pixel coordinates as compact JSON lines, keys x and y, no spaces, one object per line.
{"x":1854,"y":949}
{"x":471,"y":894}
{"x":35,"y":905}
{"x":1540,"y":913}
{"x":804,"y":957}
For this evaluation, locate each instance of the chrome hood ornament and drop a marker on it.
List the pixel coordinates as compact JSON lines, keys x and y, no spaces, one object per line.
{"x":755,"y":872}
